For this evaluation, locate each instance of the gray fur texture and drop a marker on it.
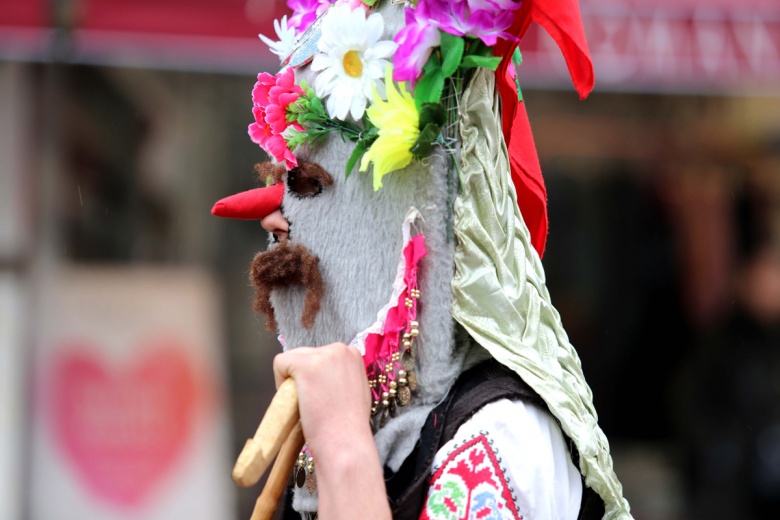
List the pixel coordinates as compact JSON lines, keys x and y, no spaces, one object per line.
{"x":356,"y":233}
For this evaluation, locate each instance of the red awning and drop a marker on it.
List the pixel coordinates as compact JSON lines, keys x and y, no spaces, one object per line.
{"x":666,"y":45}
{"x":190,"y":34}
{"x":669,"y":45}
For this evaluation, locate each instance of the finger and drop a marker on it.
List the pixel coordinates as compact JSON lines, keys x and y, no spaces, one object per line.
{"x":354,"y":358}
{"x":286,"y":363}
{"x":279,"y":376}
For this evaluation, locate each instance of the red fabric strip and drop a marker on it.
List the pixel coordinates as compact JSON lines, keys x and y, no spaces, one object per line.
{"x":561,"y":19}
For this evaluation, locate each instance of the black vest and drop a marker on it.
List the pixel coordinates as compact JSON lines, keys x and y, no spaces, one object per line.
{"x":481,"y":385}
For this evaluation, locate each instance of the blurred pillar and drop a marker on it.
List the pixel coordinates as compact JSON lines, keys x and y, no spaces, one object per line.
{"x":14,"y":258}
{"x":701,"y":204}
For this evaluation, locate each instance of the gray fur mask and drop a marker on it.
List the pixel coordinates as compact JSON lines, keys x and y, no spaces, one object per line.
{"x":357,"y":235}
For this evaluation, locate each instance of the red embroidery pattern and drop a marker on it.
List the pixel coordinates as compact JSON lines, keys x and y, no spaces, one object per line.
{"x":470,"y":485}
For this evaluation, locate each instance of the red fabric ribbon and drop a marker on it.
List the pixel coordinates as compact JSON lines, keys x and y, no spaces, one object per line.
{"x":561,"y":19}
{"x":381,"y":347}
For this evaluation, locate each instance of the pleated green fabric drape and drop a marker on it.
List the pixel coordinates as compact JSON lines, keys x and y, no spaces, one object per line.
{"x":500,"y":295}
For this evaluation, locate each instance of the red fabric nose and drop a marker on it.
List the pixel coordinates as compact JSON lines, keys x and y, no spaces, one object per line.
{"x":252,"y":204}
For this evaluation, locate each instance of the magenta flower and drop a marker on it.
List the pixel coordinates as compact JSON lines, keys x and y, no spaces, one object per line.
{"x":352,"y":3}
{"x":415,"y":44}
{"x":487,"y":20}
{"x":488,"y":5}
{"x":271,"y":96}
{"x":305,"y":12}
{"x":488,"y":23}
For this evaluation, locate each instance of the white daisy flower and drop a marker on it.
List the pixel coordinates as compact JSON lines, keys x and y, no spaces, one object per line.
{"x":286,"y":35}
{"x":351,"y":60}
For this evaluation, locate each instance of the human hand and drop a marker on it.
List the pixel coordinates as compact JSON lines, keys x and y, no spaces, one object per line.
{"x":335,"y":405}
{"x":333,"y":396}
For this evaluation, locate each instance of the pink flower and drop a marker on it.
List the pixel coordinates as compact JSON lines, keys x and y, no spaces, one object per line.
{"x":263,"y":86}
{"x":415,"y":44}
{"x":277,"y":147}
{"x":271,"y":96}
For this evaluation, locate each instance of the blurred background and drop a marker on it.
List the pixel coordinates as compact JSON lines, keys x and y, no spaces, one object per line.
{"x":132,"y":368}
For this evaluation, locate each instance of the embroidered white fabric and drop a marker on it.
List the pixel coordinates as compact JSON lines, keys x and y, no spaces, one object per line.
{"x":529,"y":451}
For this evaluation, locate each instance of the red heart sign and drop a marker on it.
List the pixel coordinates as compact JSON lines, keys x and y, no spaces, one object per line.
{"x":123,"y":429}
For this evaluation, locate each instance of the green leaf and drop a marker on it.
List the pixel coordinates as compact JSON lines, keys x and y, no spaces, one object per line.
{"x":315,"y":105}
{"x":368,"y":125}
{"x":429,"y":88}
{"x":432,"y":113}
{"x":308,"y":116}
{"x":452,"y":53}
{"x":352,"y":127}
{"x":490,"y":62}
{"x":432,"y":118}
{"x":295,"y":139}
{"x":517,"y":59}
{"x":423,"y":146}
{"x":517,"y":56}
{"x":369,"y":3}
{"x":357,"y":153}
{"x":370,"y":135}
{"x":476,"y":47}
{"x":433,"y":63}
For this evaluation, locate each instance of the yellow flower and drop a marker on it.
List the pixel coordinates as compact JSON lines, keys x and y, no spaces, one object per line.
{"x":398,"y":124}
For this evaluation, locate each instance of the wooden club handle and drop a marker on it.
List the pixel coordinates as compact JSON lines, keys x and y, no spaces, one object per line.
{"x":274,"y":429}
{"x":267,"y":502}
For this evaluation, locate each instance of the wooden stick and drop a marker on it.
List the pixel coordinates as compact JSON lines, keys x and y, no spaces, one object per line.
{"x":268,"y":501}
{"x":274,"y":429}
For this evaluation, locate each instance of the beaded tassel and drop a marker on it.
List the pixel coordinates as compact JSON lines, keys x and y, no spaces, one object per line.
{"x":395,"y":378}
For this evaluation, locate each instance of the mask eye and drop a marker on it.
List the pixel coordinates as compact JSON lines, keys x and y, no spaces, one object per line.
{"x":308,"y":179}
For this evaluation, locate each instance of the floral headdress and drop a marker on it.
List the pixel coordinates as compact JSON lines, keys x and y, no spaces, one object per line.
{"x":396,"y":99}
{"x":361,"y":90}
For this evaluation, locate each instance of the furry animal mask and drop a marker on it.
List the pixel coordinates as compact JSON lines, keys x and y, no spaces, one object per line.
{"x":387,"y":121}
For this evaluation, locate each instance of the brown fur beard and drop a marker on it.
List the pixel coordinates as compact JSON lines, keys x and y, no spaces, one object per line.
{"x":286,"y":265}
